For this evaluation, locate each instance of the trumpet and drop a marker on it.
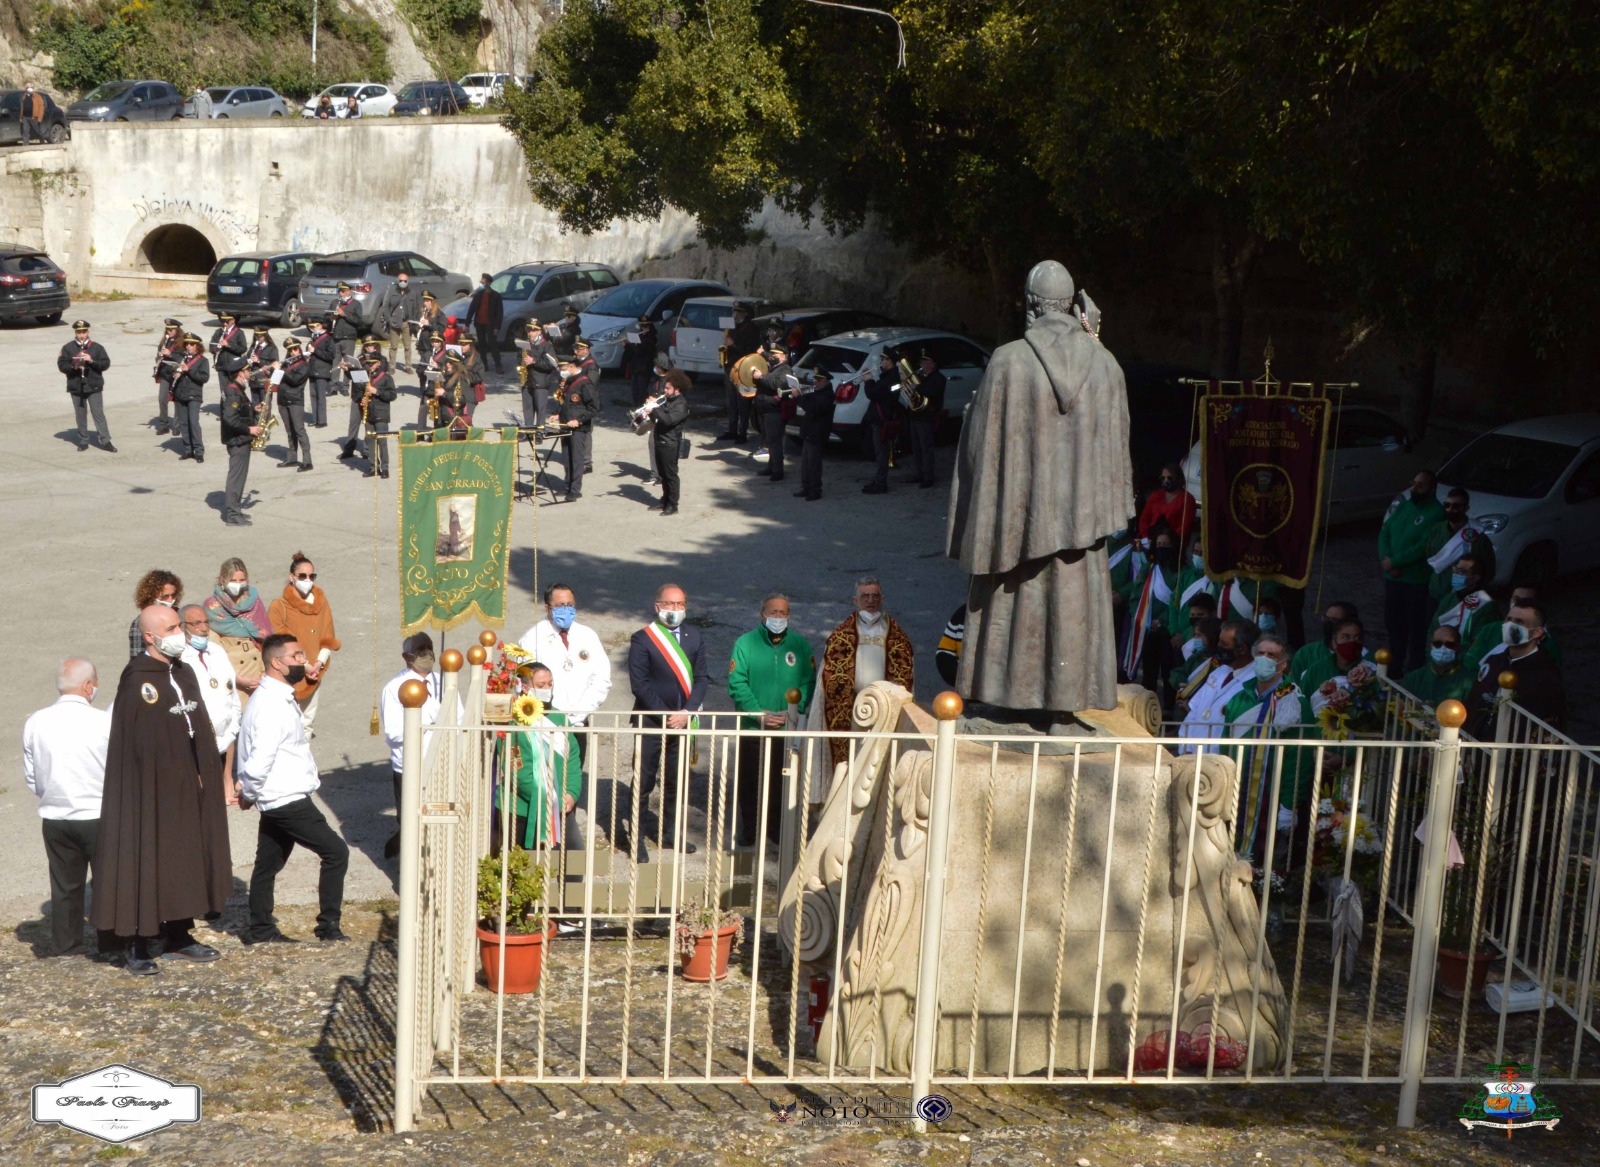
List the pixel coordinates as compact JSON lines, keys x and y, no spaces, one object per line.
{"x":910,"y":399}
{"x":640,"y":419}
{"x":266,"y":419}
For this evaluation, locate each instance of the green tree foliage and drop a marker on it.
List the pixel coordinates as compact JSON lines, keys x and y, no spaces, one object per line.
{"x":210,"y":42}
{"x":447,"y":33}
{"x":1431,"y":157}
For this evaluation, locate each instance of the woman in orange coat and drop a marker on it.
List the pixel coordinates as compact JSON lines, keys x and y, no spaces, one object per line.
{"x":302,"y":611}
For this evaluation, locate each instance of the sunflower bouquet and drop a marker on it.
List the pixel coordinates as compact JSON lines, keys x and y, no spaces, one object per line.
{"x":526,"y":709}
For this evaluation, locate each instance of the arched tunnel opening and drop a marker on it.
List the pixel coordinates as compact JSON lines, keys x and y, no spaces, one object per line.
{"x":177,"y":249}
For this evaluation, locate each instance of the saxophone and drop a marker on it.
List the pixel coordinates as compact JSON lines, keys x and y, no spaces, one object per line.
{"x":266,"y":419}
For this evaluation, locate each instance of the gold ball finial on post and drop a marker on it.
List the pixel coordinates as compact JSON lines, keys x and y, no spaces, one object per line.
{"x":792,"y":696}
{"x":1451,"y":714}
{"x":1383,"y":656}
{"x":451,"y":661}
{"x":1508,"y":680}
{"x":947,"y":706}
{"x":477,"y":654}
{"x":413,"y":694}
{"x":487,"y":639}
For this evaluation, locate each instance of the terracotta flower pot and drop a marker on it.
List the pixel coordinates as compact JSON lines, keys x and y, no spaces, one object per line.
{"x":697,"y":966}
{"x":1453,"y":972}
{"x":524,"y":960}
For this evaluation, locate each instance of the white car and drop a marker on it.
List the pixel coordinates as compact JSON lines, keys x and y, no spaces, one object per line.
{"x":606,"y":321}
{"x":697,"y":331}
{"x":482,"y":88}
{"x":374,"y":100}
{"x":1535,"y":494}
{"x":846,"y":354}
{"x":1369,"y":462}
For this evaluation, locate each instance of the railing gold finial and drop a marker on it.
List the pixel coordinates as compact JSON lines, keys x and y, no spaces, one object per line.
{"x":947,"y":706}
{"x":792,"y":696}
{"x":1451,"y":714}
{"x":487,"y":639}
{"x":1508,"y":680}
{"x":413,"y":694}
{"x":1383,"y":656}
{"x":451,"y":661}
{"x":477,"y":654}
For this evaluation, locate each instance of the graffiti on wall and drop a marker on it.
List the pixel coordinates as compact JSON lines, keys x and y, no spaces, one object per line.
{"x":228,"y":221}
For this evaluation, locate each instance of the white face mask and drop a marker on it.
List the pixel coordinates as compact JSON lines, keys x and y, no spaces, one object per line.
{"x":171,"y":646}
{"x":235,"y":588}
{"x":304,"y":586}
{"x":870,"y":617}
{"x":168,"y":603}
{"x":671,"y":617}
{"x":544,"y":695}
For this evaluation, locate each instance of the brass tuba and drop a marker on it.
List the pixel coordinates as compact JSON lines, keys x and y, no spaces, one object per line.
{"x":745,"y":371}
{"x":910,"y":399}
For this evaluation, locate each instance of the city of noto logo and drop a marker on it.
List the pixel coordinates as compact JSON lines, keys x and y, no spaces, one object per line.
{"x":116,"y":1103}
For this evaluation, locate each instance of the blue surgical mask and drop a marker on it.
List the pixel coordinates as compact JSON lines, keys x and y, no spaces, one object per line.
{"x":777,"y":625}
{"x":199,"y":643}
{"x":1267,"y":623}
{"x":1458,"y":581}
{"x":1199,"y":562}
{"x":1192,"y":646}
{"x":1443,"y":655}
{"x":1266,"y":668}
{"x":563,"y":615}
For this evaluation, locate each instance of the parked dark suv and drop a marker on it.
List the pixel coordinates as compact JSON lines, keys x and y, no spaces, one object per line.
{"x":128,"y":101}
{"x":368,"y":273}
{"x":537,"y":291}
{"x":260,"y":285}
{"x":421,"y":98}
{"x":31,"y":285}
{"x":55,"y":122}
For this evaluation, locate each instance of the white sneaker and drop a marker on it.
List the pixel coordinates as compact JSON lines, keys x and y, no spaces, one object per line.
{"x":761,"y":455}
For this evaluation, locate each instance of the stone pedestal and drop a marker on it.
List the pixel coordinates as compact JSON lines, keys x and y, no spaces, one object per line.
{"x":1062,"y":947}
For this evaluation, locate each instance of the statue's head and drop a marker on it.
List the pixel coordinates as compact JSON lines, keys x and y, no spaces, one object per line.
{"x":1049,"y":290}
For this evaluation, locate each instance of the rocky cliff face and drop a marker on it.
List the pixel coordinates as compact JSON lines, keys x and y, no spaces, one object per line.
{"x":511,"y":30}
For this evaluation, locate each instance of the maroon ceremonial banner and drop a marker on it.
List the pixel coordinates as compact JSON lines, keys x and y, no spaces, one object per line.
{"x":1261,"y":485}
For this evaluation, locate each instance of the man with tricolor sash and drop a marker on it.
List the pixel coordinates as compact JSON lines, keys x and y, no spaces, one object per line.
{"x":667,"y":672}
{"x":1266,"y":707}
{"x":1470,"y":610}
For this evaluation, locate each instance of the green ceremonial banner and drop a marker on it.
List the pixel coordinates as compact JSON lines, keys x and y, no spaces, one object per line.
{"x":455,"y":528}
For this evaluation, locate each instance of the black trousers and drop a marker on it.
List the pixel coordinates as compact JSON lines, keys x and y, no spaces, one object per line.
{"x":535,"y":404}
{"x":32,"y":128}
{"x":811,"y":466}
{"x":751,"y":751}
{"x":738,"y":409}
{"x":577,"y":445}
{"x":658,"y":766}
{"x":186,"y":420}
{"x":238,"y":468}
{"x":69,"y":847}
{"x":488,"y":343}
{"x":882,"y":447}
{"x":320,"y":391}
{"x":1407,"y":611}
{"x":639,"y":387}
{"x":163,"y":404}
{"x":666,"y":448}
{"x":352,"y":434}
{"x":772,"y":436}
{"x":281,"y":828}
{"x":82,"y":407}
{"x":294,"y":429}
{"x":922,"y":431}
{"x":377,"y":454}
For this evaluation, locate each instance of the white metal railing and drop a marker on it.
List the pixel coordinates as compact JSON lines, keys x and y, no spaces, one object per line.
{"x":910,"y":885}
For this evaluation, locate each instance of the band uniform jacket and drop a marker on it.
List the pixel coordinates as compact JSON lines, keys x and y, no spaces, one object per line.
{"x":292,"y":389}
{"x":380,"y":390}
{"x":768,"y":386}
{"x":486,"y":308}
{"x":348,"y":325}
{"x":84,"y":378}
{"x":883,"y":403}
{"x":569,"y":333}
{"x":323,"y":353}
{"x":543,"y":370}
{"x":163,"y":852}
{"x":168,"y":350}
{"x":669,"y":417}
{"x":578,"y":401}
{"x":457,"y":397}
{"x":640,"y":359}
{"x":931,"y":387}
{"x":189,"y":383}
{"x":655,"y":686}
{"x":238,"y":415}
{"x":816,"y":411}
{"x":229,"y":347}
{"x":426,"y":327}
{"x":744,"y":340}
{"x":262,"y":353}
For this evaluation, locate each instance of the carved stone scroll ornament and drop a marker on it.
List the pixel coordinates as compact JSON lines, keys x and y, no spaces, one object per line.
{"x":1223,"y":987}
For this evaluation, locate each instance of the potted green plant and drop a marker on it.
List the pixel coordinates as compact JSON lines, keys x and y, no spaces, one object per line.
{"x":1464,"y":958}
{"x":525,"y":927}
{"x":705,"y":939}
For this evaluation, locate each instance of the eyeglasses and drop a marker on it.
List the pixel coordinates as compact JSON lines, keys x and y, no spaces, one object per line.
{"x":1444,"y":644}
{"x":311,"y":576}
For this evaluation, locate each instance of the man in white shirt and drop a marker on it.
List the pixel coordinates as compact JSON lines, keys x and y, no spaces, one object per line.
{"x":577,"y":659}
{"x":1236,"y":652}
{"x":64,"y":765}
{"x":278,"y":775}
{"x":417,"y":651}
{"x":218,"y":687}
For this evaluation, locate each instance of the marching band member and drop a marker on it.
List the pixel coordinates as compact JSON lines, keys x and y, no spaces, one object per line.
{"x":228,"y":347}
{"x":188,"y":390}
{"x":346,"y":328}
{"x":291,"y":392}
{"x":430,"y":390}
{"x":666,"y":435}
{"x":239,"y":427}
{"x":169,"y":351}
{"x":258,"y":362}
{"x":540,"y":374}
{"x":771,"y":387}
{"x":379,"y":391}
{"x":321,"y":356}
{"x":475,"y":373}
{"x":429,"y":322}
{"x":354,"y":445}
{"x":739,"y":341}
{"x":924,"y":423}
{"x":639,"y":360}
{"x":578,"y":401}
{"x":84,"y":362}
{"x":816,"y":423}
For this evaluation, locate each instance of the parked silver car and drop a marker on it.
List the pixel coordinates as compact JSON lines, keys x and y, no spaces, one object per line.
{"x":370,"y":272}
{"x":606,"y":322}
{"x":241,"y":101}
{"x":536,"y":291}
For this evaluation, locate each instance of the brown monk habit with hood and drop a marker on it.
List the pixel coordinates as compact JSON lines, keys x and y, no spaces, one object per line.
{"x":163,"y":849}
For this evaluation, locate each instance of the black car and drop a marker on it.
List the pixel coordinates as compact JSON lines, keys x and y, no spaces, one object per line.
{"x":260,"y":285}
{"x":55,"y":122}
{"x":31,"y":285}
{"x":421,"y":98}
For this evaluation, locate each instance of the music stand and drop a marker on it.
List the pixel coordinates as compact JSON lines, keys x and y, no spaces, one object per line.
{"x":537,"y":437}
